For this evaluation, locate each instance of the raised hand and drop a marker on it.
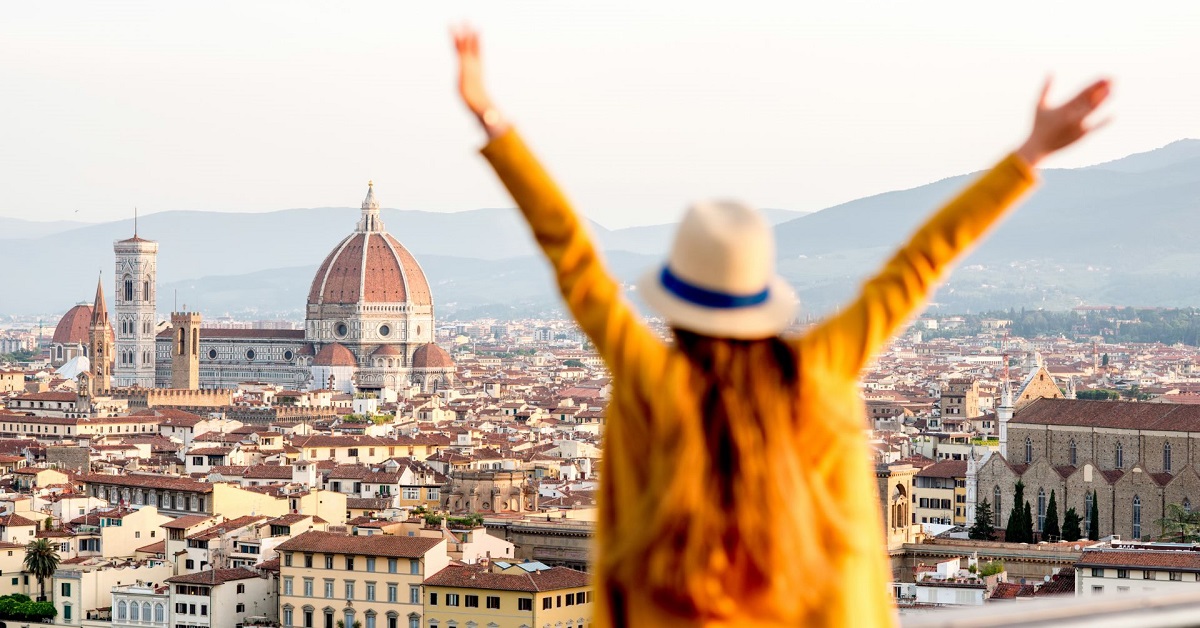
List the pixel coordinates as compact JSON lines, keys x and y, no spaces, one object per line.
{"x":470,"y":76}
{"x":1055,"y":128}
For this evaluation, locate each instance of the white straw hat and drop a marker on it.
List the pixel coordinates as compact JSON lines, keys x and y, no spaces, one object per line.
{"x":719,"y":279}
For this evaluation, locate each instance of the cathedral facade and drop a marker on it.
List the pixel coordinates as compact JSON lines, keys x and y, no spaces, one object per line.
{"x":1132,"y":459}
{"x":369,"y":325}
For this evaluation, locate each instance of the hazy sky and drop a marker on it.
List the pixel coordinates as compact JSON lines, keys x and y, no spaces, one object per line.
{"x":638,"y":107}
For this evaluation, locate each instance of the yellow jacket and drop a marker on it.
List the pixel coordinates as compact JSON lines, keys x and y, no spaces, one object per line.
{"x":652,"y":417}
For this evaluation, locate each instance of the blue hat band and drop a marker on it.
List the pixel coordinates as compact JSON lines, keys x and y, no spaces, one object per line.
{"x":704,"y":297}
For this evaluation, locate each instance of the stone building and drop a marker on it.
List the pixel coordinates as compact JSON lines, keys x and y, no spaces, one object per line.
{"x":136,"y":320}
{"x":1133,"y":459}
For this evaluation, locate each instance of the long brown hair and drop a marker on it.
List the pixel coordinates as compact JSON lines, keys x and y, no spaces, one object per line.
{"x":741,"y":514}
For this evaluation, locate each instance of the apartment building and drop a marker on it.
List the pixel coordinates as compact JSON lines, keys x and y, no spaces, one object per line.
{"x":376,"y":580}
{"x":508,"y":595}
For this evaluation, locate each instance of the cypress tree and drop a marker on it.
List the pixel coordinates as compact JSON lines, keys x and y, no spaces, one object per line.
{"x":1012,"y":531}
{"x":1027,"y":524}
{"x":1070,"y":526}
{"x":1051,"y":531}
{"x":1094,"y":524}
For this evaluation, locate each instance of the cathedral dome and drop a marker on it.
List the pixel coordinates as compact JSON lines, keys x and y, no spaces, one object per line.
{"x":73,"y":326}
{"x":335,"y":355}
{"x":431,"y":356}
{"x":370,"y":266}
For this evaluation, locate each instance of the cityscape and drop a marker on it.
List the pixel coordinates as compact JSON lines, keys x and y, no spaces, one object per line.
{"x":220,"y":413}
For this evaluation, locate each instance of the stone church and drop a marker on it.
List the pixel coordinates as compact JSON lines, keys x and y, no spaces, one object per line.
{"x":1133,"y":459}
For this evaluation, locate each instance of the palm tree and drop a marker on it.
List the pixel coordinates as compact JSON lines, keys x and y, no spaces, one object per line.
{"x":41,"y":560}
{"x":1186,"y":522}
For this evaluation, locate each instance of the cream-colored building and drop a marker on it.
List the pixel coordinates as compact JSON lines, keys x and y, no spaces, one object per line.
{"x":508,"y":595}
{"x":376,"y":580}
{"x":221,"y":598}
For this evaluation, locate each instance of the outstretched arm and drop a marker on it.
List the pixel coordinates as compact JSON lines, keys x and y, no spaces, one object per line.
{"x":847,"y":341}
{"x":591,"y":294}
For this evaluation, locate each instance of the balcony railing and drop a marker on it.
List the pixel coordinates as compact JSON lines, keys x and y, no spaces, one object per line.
{"x":1156,"y":610}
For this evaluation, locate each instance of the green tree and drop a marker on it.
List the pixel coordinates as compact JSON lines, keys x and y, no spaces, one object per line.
{"x":573,"y":363}
{"x":1027,"y":524}
{"x":982,"y":529}
{"x":41,"y":560}
{"x":1013,"y":532}
{"x":1180,"y":525}
{"x":1070,"y":527}
{"x":1104,"y":360}
{"x":1094,"y":519}
{"x":1051,"y":531}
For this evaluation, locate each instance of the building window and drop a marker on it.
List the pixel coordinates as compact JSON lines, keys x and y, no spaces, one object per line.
{"x":240,"y":608}
{"x":414,"y":594}
{"x":328,"y":561}
{"x":1167,"y":457}
{"x":287,"y":560}
{"x":241,"y":588}
{"x":493,"y":601}
{"x":570,"y":599}
{"x":349,"y":563}
{"x":996,"y":505}
{"x":1147,"y":574}
{"x":308,"y":560}
{"x":1097,"y":572}
{"x":1120,"y":456}
{"x":525,"y":604}
{"x":1176,"y":576}
{"x":370,"y":591}
{"x":66,"y":589}
{"x":329,"y":588}
{"x":1137,"y":517}
{"x":287,"y":617}
{"x":349,"y":589}
{"x":371,"y":563}
{"x":432,"y":598}
{"x":392,"y":565}
{"x":547,"y":603}
{"x":1041,"y":509}
{"x":410,"y":492}
{"x":308,"y":587}
{"x":1122,"y":573}
{"x":1074,"y":453}
{"x":1097,"y":590}
{"x":287,"y":585}
{"x":451,"y":599}
{"x":414,"y":567}
{"x":471,"y":601}
{"x":1187,"y":505}
{"x":1028,"y":450}
{"x":160,"y":613}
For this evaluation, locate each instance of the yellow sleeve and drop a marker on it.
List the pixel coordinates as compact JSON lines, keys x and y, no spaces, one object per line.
{"x":591,"y":294}
{"x":847,"y":341}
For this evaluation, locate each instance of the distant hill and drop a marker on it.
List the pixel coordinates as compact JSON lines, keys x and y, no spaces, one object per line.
{"x":1123,"y":232}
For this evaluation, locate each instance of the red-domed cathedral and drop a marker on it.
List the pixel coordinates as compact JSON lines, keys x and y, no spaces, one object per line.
{"x":369,"y":325}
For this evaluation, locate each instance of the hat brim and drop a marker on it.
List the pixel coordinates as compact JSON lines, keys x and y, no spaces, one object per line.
{"x":766,"y":319}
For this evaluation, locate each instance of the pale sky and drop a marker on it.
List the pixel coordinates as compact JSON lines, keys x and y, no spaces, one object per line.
{"x":638,"y":107}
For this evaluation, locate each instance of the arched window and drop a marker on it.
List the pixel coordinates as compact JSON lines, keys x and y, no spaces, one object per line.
{"x":128,"y":288}
{"x":145,"y":611}
{"x":182,"y":342}
{"x":1087,"y":511}
{"x":1167,"y":457}
{"x":135,"y":613}
{"x":1028,"y":450}
{"x":996,"y":506}
{"x":160,"y":613}
{"x":146,"y":290}
{"x":122,"y":610}
{"x":287,"y":616}
{"x":1041,"y":509}
{"x":1137,"y":517}
{"x":1120,"y":456}
{"x":1187,"y":505}
{"x":1074,"y":453}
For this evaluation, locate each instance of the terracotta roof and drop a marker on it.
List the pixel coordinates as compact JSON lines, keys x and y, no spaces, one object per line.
{"x":945,"y":469}
{"x":335,"y":355}
{"x":147,"y":481}
{"x":153,"y":548}
{"x":215,"y":576}
{"x":375,"y":545}
{"x":385,"y":351}
{"x":431,"y":356}
{"x":1165,"y":417}
{"x":1178,"y":560}
{"x":185,"y":522}
{"x":368,"y":503}
{"x":15,"y":520}
{"x":217,"y":530}
{"x":472,"y":577}
{"x":244,"y":334}
{"x":370,"y":267}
